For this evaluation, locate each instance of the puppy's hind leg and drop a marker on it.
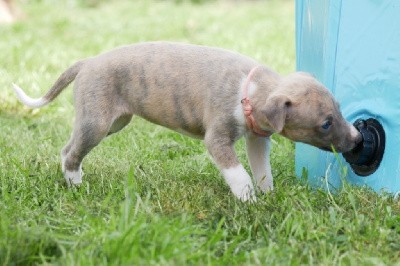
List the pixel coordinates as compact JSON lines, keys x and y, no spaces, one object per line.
{"x":64,"y":153}
{"x":222,"y":151}
{"x":86,"y":135}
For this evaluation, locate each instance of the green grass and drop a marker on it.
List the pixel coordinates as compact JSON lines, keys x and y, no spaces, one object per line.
{"x":151,"y":196}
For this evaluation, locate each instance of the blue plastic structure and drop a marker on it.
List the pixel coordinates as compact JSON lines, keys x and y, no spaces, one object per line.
{"x":353,"y":48}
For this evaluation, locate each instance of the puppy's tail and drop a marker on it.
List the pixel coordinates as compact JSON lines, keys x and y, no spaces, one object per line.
{"x":62,"y":82}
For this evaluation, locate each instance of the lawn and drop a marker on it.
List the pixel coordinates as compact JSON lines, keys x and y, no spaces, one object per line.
{"x":151,"y":196}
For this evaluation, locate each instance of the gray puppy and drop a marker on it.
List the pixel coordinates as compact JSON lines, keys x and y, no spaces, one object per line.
{"x":204,"y":92}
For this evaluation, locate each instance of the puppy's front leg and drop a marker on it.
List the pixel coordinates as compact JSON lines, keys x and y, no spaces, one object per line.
{"x":258,"y":149}
{"x":222,"y":151}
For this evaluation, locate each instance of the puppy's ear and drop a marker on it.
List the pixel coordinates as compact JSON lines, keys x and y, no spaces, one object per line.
{"x":276,"y":111}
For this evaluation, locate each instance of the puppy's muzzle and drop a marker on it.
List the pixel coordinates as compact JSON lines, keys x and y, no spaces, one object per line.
{"x":348,"y":143}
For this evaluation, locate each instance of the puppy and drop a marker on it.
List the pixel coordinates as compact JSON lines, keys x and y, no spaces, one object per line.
{"x":208,"y":93}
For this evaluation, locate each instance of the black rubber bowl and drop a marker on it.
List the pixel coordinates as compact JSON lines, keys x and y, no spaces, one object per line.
{"x":367,"y":156}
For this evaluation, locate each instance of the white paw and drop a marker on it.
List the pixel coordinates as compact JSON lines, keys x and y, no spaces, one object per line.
{"x":73,"y":177}
{"x":240,"y":183}
{"x":246,"y":194}
{"x":265,"y":184}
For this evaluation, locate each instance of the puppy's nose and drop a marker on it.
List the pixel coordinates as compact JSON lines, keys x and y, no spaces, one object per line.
{"x":355,"y":134}
{"x":358,"y":138}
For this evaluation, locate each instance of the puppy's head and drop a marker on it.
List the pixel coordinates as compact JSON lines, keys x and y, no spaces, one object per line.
{"x":303,"y":110}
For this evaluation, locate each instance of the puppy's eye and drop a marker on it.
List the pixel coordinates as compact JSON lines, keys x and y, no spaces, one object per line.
{"x":326,"y":125}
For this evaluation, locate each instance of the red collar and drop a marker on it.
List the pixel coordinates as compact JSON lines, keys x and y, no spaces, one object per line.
{"x":247,"y":109}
